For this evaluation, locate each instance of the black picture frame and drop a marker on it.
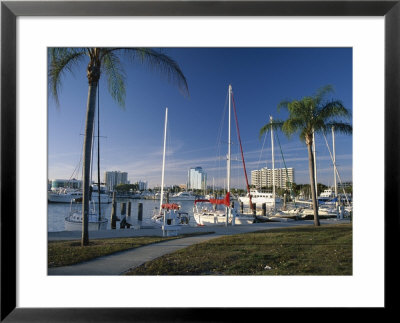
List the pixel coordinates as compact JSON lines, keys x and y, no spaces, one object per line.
{"x":10,"y":10}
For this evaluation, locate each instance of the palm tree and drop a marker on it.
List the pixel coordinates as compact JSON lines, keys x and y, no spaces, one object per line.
{"x":310,"y":115}
{"x":108,"y":61}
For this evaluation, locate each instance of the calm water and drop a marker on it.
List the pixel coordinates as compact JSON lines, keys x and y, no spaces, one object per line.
{"x":58,"y":211}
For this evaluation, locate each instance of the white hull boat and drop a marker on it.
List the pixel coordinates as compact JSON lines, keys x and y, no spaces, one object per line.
{"x":63,"y":196}
{"x":207,"y":216}
{"x":259,"y":198}
{"x":206,"y":211}
{"x":325,"y":212}
{"x":172,"y":215}
{"x":183,"y":196}
{"x":104,"y":198}
{"x":73,"y":222}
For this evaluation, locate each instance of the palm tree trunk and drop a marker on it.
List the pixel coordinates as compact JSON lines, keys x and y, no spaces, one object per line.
{"x":87,"y":152}
{"x":312,"y":183}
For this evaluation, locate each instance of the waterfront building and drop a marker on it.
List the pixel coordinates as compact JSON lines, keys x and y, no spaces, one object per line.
{"x":263,"y":177}
{"x":65,"y":183}
{"x":197,"y":179}
{"x":115,"y":178}
{"x":142,"y":186}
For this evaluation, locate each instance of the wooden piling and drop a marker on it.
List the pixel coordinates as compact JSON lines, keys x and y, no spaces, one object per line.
{"x":284,"y":202}
{"x":113,"y":212}
{"x":140,"y":214}
{"x":241,"y":207}
{"x":123,"y":216}
{"x":129,"y":208}
{"x":254,"y":209}
{"x":264,"y":209}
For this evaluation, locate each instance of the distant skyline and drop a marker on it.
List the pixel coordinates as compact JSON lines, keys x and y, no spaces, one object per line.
{"x":132,"y":138}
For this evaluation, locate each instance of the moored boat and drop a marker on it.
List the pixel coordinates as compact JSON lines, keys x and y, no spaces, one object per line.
{"x":259,"y":198}
{"x":73,"y":222}
{"x":105,"y":197}
{"x":172,"y":214}
{"x":183,"y":196}
{"x":220,"y":211}
{"x":63,"y":195}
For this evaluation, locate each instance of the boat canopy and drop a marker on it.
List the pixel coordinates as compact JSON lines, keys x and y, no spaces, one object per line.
{"x":171,"y":206}
{"x":225,"y":201}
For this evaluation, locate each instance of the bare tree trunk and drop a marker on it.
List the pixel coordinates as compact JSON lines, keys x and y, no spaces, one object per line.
{"x":312,"y":183}
{"x":87,"y":152}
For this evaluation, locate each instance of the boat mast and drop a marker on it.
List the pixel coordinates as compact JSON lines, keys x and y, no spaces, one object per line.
{"x":98,"y":146}
{"x":163,"y":161}
{"x":273,"y":161}
{"x":229,"y":154}
{"x":334,"y":161}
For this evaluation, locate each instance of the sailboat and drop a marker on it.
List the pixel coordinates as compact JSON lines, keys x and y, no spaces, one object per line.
{"x":168,"y":216}
{"x":220,"y":211}
{"x":260,"y":198}
{"x":73,"y":222}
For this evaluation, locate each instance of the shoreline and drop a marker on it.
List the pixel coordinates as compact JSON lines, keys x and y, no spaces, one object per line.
{"x":157,"y":231}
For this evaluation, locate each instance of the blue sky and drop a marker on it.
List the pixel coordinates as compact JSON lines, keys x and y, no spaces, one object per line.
{"x":197,"y":125}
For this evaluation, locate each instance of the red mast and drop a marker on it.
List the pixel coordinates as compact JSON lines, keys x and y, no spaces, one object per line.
{"x":241,"y":150}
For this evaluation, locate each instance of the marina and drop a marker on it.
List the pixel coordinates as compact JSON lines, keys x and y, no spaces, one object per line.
{"x":152,"y":190}
{"x":57,"y":212}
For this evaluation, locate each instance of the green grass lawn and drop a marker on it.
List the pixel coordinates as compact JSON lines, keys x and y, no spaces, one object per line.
{"x":305,"y":250}
{"x":64,"y":253}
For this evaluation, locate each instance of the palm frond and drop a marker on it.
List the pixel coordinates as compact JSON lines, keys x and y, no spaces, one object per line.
{"x":159,"y":62}
{"x":62,"y":60}
{"x":340,"y":127}
{"x":111,"y":65}
{"x":302,"y":109}
{"x":293,"y":125}
{"x":283,"y":105}
{"x":322,"y":92}
{"x":275,"y":125}
{"x":333,"y":109}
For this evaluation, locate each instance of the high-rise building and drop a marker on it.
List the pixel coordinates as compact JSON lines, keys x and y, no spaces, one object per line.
{"x":142,"y":185}
{"x":197,"y":179}
{"x":263,"y":177}
{"x":114,"y":178}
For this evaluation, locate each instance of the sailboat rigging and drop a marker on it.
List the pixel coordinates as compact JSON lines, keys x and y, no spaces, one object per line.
{"x":73,"y":222}
{"x":206,"y":211}
{"x":168,"y":216}
{"x":260,"y":198}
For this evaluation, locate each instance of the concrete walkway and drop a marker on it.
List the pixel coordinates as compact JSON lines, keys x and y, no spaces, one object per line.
{"x":121,"y":262}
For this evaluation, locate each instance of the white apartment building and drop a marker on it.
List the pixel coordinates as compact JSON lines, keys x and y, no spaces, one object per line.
{"x":114,"y":178}
{"x":197,"y":179}
{"x":142,"y":185}
{"x":263,"y":177}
